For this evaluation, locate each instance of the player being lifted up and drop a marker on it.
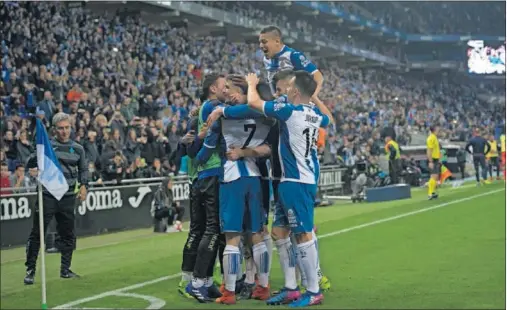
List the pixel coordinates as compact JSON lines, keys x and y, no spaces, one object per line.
{"x":240,"y":192}
{"x":299,"y":124}
{"x":279,"y":57}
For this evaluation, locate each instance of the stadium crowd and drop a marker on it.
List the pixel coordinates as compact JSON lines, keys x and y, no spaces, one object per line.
{"x":130,"y":86}
{"x":444,"y":17}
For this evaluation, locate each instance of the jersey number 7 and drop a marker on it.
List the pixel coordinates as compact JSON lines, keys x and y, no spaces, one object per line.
{"x":247,"y":127}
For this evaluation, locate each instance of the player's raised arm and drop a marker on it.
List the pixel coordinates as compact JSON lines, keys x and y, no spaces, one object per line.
{"x":300,"y":62}
{"x":253,"y":98}
{"x":324,"y":110}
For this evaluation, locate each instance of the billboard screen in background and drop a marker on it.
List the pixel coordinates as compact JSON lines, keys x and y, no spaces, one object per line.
{"x":485,"y":59}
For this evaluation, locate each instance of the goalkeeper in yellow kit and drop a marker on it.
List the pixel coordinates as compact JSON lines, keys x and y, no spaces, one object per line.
{"x":433,"y":154}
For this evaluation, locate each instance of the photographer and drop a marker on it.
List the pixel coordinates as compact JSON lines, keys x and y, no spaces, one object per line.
{"x":164,"y":207}
{"x":115,"y":170}
{"x":360,"y":178}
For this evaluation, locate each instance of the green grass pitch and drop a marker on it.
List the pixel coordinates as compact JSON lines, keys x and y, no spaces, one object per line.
{"x":447,"y":253}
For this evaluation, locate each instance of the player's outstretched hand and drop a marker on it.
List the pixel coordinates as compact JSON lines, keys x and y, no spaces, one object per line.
{"x":234,"y":153}
{"x":214,"y":116}
{"x":252,"y":79}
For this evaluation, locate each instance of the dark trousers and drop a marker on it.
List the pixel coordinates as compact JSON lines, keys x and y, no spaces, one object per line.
{"x":494,"y":162}
{"x":461,"y":167}
{"x":480,"y":160}
{"x":63,"y":211}
{"x":204,"y":238}
{"x":394,"y":170}
{"x":265,"y":198}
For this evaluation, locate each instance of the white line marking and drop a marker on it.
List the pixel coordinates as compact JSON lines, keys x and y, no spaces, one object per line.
{"x":114,"y":292}
{"x":176,"y":275}
{"x":407,"y":214}
{"x":155,"y":303}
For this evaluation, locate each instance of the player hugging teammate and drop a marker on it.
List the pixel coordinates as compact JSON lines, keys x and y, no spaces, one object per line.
{"x":246,"y":126}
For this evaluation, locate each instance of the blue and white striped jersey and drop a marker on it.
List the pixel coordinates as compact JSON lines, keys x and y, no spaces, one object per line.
{"x":287,"y":58}
{"x":299,"y":126}
{"x":239,"y":134}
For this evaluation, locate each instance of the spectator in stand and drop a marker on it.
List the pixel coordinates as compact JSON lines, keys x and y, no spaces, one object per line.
{"x":5,"y":180}
{"x":132,"y":148}
{"x":156,"y":170}
{"x":18,"y":178}
{"x":24,"y":147}
{"x":93,"y":174}
{"x":137,"y":169}
{"x":31,"y":177}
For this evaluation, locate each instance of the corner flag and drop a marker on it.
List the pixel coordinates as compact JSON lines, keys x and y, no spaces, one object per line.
{"x":50,"y":171}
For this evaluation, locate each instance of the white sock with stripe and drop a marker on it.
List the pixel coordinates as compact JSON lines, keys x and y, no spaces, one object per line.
{"x":287,"y":255}
{"x":231,"y":266}
{"x":309,"y":257}
{"x":319,"y":271}
{"x":261,"y":259}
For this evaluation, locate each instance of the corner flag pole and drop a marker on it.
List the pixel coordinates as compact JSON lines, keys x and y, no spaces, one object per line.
{"x":44,"y":304}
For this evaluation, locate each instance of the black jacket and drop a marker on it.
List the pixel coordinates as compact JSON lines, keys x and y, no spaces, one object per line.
{"x":163,"y":197}
{"x":73,"y":161}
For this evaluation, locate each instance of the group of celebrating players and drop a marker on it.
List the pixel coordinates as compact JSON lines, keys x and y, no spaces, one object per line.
{"x":250,"y":136}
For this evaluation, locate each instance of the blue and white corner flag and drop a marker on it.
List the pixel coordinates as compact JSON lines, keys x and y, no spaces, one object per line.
{"x":50,"y":171}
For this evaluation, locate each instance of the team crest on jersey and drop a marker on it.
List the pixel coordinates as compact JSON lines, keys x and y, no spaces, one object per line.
{"x":280,"y":103}
{"x":303,"y":60}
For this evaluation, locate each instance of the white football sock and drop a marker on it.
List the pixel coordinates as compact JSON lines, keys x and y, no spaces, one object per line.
{"x":287,"y":255}
{"x":309,"y":257}
{"x":269,"y":245}
{"x":197,"y":282}
{"x":250,"y":270}
{"x":299,"y":270}
{"x":231,"y":267}
{"x":261,"y":259}
{"x":239,"y":275}
{"x":208,"y":282}
{"x":319,"y":270}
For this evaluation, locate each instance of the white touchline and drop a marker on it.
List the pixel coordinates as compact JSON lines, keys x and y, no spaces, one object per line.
{"x":338,"y":232}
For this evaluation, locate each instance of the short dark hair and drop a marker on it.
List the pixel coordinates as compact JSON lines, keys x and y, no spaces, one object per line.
{"x":274,"y":29}
{"x":433,"y":127}
{"x":282,"y":75}
{"x":305,"y":83}
{"x":265,"y":91}
{"x":209,"y":80}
